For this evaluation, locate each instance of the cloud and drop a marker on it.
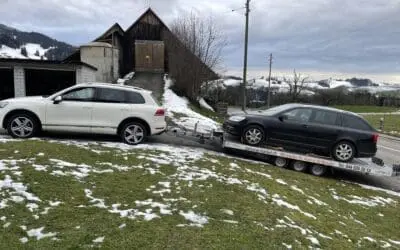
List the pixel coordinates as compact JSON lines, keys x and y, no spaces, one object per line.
{"x":338,"y":36}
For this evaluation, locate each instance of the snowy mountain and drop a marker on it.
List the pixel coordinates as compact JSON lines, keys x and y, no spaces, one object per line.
{"x":282,"y":86}
{"x":31,"y":45}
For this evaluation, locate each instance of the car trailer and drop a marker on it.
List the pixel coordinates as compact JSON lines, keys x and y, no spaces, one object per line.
{"x":315,"y":164}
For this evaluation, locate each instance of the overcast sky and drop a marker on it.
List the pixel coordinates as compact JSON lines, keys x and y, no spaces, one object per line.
{"x":321,"y":38}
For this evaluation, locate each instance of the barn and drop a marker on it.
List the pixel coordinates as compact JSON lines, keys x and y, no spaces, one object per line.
{"x":147,"y":47}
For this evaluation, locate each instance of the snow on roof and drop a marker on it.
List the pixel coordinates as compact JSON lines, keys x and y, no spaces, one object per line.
{"x":97,"y":44}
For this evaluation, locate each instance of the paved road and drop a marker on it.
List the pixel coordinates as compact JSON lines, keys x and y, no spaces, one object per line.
{"x":389,"y":149}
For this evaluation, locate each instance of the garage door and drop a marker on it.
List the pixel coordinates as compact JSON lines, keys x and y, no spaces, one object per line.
{"x":149,"y":56}
{"x":6,"y":83}
{"x":47,"y":82}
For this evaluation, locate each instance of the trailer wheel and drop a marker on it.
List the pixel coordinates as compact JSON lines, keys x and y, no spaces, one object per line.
{"x":300,"y":166}
{"x":319,"y":170}
{"x":281,"y":162}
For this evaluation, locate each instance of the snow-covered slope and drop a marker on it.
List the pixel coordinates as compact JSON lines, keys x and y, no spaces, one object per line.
{"x":33,"y":51}
{"x":180,"y":113}
{"x":31,"y":45}
{"x":7,"y":52}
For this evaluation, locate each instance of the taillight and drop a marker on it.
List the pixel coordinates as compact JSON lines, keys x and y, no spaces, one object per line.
{"x":160,"y":112}
{"x":375,"y":138}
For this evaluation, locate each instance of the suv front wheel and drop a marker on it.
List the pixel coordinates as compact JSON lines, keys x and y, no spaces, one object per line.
{"x":22,"y":126}
{"x":133,"y":133}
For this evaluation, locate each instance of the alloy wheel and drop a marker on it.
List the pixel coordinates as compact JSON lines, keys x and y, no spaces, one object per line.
{"x":344,"y":152}
{"x":254,"y":136}
{"x":134,"y":134}
{"x":22,"y":127}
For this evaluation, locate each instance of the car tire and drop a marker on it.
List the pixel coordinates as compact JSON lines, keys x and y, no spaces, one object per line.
{"x":344,"y":151}
{"x":23,"y":126}
{"x":253,"y":135}
{"x":319,"y":170}
{"x":300,"y":166}
{"x":133,"y":133}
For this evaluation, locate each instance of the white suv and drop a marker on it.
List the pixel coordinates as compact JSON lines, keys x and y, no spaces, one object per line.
{"x":97,"y":108}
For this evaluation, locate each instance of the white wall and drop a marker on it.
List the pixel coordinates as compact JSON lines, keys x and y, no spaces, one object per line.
{"x":101,"y":58}
{"x":85,"y":74}
{"x":19,"y":82}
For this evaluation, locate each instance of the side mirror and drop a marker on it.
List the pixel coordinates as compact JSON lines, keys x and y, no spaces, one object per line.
{"x":283,"y":117}
{"x":58,"y":99}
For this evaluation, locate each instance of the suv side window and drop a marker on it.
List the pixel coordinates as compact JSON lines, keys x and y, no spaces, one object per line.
{"x":111,"y":95}
{"x":80,"y":95}
{"x":119,"y":96}
{"x":134,"y":98}
{"x":299,"y":115}
{"x":325,"y":117}
{"x":354,"y":122}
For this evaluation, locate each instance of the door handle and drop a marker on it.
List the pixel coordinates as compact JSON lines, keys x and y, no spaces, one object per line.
{"x":304,"y":126}
{"x":87,"y":107}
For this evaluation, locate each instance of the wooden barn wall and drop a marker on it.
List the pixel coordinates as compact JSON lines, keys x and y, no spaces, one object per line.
{"x":179,"y":62}
{"x":148,"y":28}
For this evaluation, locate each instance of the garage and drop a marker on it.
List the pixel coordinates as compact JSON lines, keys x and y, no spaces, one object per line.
{"x":47,"y":82}
{"x":6,"y":83}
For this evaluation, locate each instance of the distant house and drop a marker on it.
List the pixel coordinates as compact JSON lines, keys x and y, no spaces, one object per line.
{"x":146,"y":46}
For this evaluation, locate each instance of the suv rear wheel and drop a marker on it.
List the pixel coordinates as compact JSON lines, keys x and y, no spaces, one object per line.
{"x":133,"y":133}
{"x":344,"y":151}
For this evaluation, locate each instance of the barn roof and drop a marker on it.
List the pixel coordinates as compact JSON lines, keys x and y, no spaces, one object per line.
{"x":148,"y":11}
{"x":114,"y":28}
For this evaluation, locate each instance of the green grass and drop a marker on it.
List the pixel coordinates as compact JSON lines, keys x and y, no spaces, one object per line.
{"x":207,"y":113}
{"x":367,"y":109}
{"x":391,"y":122}
{"x":199,"y":184}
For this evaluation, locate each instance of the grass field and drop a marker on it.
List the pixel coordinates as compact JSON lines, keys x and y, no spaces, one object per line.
{"x":391,"y":122}
{"x":67,"y":194}
{"x":367,"y":109}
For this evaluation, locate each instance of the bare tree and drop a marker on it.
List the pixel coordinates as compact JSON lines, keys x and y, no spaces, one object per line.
{"x":195,"y":53}
{"x":202,"y":37}
{"x":296,"y":85}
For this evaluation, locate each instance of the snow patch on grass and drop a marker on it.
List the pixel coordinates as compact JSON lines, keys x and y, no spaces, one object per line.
{"x":99,"y":240}
{"x":283,"y":203}
{"x":196,"y":219}
{"x":38,"y":233}
{"x":281,"y":181}
{"x":227,"y":211}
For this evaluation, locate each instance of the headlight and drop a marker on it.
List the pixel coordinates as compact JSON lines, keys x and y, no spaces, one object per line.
{"x":237,"y":118}
{"x":3,"y":104}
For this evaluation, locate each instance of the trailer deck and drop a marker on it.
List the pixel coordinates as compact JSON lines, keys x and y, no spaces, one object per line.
{"x":317,"y":165}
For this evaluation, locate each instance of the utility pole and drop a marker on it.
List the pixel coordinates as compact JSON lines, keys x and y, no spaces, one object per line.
{"x":246,"y":39}
{"x":269,"y":80}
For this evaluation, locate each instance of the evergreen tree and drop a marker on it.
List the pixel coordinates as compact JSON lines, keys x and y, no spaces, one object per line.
{"x":24,"y":52}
